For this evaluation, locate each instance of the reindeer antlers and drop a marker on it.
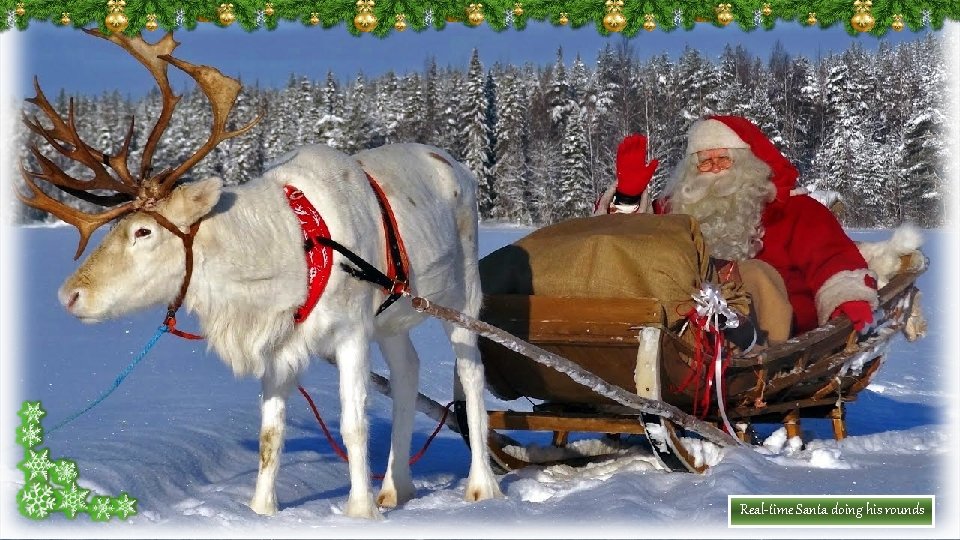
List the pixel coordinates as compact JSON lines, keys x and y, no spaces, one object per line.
{"x":129,"y":192}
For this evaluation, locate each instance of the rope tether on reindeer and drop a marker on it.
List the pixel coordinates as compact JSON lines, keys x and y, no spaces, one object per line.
{"x":169,"y":323}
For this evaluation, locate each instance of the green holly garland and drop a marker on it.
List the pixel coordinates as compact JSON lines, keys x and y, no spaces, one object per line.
{"x":51,"y":486}
{"x":498,"y":14}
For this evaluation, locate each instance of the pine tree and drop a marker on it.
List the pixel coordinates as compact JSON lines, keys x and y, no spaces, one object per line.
{"x":358,"y":128}
{"x":410,"y":124}
{"x":511,"y":152}
{"x":388,"y":106}
{"x":476,"y":133}
{"x":559,"y":95}
{"x":575,"y":194}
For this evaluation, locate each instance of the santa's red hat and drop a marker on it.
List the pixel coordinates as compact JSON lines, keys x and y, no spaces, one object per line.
{"x":738,"y":132}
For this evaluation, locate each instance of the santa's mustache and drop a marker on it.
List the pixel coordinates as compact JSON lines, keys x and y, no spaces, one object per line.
{"x":719,"y":184}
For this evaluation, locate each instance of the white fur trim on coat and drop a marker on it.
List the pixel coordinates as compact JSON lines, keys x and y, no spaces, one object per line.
{"x":844,"y":286}
{"x":709,"y":134}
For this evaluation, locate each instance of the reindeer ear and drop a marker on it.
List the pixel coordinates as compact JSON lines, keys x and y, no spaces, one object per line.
{"x":190,"y":202}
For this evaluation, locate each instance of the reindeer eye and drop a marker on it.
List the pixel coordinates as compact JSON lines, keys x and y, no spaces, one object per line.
{"x":141,"y":232}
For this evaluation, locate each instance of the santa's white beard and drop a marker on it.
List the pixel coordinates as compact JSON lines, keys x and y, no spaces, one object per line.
{"x":728,"y":206}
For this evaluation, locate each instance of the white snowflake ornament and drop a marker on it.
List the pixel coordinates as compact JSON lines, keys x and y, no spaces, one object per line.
{"x":36,"y":500}
{"x":37,"y":465}
{"x":100,"y":508}
{"x":30,"y":434}
{"x":73,"y":500}
{"x":124,"y":506}
{"x":64,"y":472}
{"x":31,"y":412}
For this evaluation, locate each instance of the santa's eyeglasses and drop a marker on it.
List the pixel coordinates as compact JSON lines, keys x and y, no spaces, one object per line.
{"x":715,"y":163}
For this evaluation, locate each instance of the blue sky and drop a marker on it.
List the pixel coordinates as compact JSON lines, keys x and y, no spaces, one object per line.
{"x":66,"y":58}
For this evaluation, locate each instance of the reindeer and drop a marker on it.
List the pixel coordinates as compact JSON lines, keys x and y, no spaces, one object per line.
{"x":236,"y":258}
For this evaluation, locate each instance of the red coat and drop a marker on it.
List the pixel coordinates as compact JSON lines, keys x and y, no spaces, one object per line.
{"x":821,"y":266}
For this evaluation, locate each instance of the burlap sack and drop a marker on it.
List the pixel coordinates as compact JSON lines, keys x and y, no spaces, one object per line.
{"x":617,"y":255}
{"x":770,"y":299}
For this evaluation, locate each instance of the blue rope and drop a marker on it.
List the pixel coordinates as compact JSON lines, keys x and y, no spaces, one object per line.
{"x":123,"y":375}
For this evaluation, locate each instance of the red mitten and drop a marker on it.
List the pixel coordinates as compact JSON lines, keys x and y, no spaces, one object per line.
{"x":633,"y":171}
{"x":858,"y":311}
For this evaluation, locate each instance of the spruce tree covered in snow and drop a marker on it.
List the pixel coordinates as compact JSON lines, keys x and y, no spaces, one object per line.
{"x":388,"y":106}
{"x":511,"y":150}
{"x":447,"y":126}
{"x":358,"y":127}
{"x":477,"y":134}
{"x":697,"y":80}
{"x":575,"y":190}
{"x":559,"y":94}
{"x":411,"y":124}
{"x":330,"y":124}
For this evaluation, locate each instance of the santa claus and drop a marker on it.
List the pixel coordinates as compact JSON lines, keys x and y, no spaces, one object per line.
{"x":740,"y":188}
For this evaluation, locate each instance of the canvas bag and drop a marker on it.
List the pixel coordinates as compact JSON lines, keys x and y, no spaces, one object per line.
{"x":616,"y":255}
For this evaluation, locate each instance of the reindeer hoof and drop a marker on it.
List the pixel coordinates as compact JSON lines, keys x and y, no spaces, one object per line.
{"x":482,"y":487}
{"x":264,"y":508}
{"x":363,"y":508}
{"x":392,"y":497}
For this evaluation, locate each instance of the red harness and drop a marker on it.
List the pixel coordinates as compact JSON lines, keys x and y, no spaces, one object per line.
{"x":320,"y":255}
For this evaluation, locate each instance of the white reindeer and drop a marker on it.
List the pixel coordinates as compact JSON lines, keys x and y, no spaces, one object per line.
{"x":249,"y":273}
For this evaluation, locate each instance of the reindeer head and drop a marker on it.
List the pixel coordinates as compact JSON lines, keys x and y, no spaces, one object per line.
{"x":141,"y":261}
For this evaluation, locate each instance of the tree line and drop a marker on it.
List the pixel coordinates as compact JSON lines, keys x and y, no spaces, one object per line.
{"x":542,"y":139}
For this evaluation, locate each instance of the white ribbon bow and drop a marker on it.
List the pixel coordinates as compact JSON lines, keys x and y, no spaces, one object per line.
{"x":710,"y":304}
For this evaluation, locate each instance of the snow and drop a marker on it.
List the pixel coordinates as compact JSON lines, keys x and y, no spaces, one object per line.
{"x":180,"y":436}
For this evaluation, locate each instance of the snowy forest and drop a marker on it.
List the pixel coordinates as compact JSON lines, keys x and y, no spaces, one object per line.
{"x":542,"y":140}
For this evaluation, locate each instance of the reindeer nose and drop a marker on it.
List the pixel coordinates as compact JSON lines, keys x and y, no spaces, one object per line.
{"x":69,"y":298}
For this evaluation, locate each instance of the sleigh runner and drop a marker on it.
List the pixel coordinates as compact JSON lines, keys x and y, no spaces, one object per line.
{"x":634,"y":345}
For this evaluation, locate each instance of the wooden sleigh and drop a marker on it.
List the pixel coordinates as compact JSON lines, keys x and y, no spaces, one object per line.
{"x":623,"y":347}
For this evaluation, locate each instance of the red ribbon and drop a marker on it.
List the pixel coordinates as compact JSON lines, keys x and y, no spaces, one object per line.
{"x":700,"y":369}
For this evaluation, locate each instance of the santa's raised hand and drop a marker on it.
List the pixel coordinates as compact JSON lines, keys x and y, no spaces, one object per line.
{"x":633,"y":171}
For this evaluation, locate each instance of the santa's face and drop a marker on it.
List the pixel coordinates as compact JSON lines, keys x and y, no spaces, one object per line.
{"x":714,"y":161}
{"x":726,"y":191}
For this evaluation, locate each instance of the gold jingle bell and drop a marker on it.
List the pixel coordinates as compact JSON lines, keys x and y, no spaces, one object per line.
{"x":268,"y":10}
{"x":766,"y":10}
{"x":314,"y":19}
{"x":226,"y":15}
{"x":614,"y":21}
{"x":812,"y":18}
{"x":863,"y":21}
{"x":401,"y":23}
{"x":648,"y":23}
{"x":65,"y":18}
{"x":724,"y":14}
{"x":563,"y":18}
{"x":897,"y":23}
{"x":116,"y":21}
{"x":21,"y":10}
{"x":517,"y":10}
{"x":151,"y":23}
{"x":365,"y":21}
{"x":475,"y":16}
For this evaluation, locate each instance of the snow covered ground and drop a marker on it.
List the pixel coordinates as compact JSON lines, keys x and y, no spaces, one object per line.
{"x":181,"y":433}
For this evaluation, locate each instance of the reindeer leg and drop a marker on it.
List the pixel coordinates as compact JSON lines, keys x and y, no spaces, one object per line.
{"x":481,"y":483}
{"x":353,"y":360}
{"x":404,"y":365}
{"x":272,"y":407}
